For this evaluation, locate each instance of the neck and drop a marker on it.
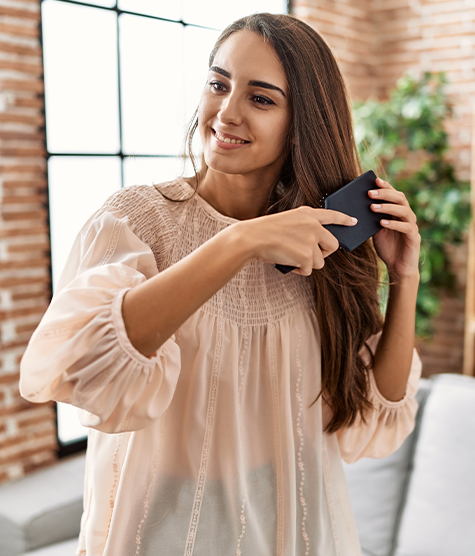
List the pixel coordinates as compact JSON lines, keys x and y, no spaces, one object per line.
{"x":235,"y":195}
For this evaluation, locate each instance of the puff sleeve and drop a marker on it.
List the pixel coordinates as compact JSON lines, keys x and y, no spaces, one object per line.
{"x":388,"y":424}
{"x":80,"y":353}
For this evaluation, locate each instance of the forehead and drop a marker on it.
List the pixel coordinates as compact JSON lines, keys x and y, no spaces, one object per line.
{"x":245,"y":54}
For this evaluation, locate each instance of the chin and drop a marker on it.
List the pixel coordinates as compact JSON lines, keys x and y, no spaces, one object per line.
{"x":225,"y":166}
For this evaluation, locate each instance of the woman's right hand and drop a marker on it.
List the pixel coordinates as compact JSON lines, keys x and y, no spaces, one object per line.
{"x":295,"y":237}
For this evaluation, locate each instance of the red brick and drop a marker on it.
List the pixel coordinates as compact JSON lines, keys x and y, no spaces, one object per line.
{"x":39,"y":184}
{"x":34,"y":15}
{"x":22,"y":67}
{"x":48,"y":459}
{"x":10,"y":282}
{"x":20,"y":406}
{"x":9,"y":378}
{"x":48,"y":417}
{"x":24,"y":231}
{"x":19,"y":30}
{"x":21,"y":168}
{"x":44,"y":441}
{"x":36,"y":101}
{"x":22,"y":151}
{"x":35,"y":85}
{"x":40,"y":262}
{"x":15,"y":135}
{"x":18,"y":48}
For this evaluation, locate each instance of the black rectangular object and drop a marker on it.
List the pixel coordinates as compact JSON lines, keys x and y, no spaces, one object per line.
{"x":353,"y":199}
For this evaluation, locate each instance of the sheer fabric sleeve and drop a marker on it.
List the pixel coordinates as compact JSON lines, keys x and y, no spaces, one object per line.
{"x":80,"y":353}
{"x":388,"y":424}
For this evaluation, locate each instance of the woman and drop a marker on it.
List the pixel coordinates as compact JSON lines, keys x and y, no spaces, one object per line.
{"x":197,"y":365}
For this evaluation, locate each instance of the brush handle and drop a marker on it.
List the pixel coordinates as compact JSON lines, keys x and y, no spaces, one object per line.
{"x":285,"y":268}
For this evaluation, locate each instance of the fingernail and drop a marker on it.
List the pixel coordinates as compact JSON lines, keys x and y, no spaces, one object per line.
{"x":385,"y":222}
{"x":374,"y":192}
{"x":376,"y":206}
{"x":355,"y":220}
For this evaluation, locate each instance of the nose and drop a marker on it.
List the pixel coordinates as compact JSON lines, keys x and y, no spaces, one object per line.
{"x":231,"y":110}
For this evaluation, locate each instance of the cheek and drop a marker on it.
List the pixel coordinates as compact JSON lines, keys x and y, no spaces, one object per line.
{"x":207,"y":107}
{"x":278,"y":136}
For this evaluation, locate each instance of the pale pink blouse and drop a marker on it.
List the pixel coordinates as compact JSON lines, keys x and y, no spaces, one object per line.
{"x":210,"y":447}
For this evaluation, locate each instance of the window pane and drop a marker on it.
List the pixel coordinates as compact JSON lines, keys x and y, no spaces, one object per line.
{"x":158,"y":8}
{"x":218,"y":14}
{"x":80,"y":78}
{"x":152,"y":85}
{"x":149,"y":171}
{"x":69,"y":426}
{"x":78,"y":186}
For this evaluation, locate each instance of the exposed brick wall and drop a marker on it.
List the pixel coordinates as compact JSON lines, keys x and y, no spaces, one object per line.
{"x":27,"y":431}
{"x":347,"y":28}
{"x":437,"y":35}
{"x":376,"y":43}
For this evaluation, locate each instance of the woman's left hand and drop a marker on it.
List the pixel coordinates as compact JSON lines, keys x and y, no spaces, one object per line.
{"x":398,"y":243}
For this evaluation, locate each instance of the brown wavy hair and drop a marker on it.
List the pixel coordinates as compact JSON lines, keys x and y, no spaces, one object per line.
{"x":322,"y":158}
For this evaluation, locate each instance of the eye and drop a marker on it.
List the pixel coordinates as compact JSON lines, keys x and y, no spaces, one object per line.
{"x":217,"y":86}
{"x":263,"y":101}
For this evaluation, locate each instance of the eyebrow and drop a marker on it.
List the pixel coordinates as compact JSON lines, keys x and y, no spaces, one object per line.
{"x":252,"y":83}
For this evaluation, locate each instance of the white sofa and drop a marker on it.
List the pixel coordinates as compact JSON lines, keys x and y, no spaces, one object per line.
{"x":420,"y":501}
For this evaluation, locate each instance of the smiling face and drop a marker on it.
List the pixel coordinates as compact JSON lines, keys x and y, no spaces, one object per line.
{"x":244,"y":113}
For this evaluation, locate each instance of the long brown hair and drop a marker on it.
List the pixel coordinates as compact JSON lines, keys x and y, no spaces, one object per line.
{"x":322,"y":158}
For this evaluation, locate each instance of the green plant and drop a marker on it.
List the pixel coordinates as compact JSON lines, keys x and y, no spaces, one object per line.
{"x":404,"y":141}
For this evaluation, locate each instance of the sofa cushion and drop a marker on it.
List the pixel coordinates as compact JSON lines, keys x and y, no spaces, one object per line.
{"x":65,"y":548}
{"x":439,"y":514}
{"x":377,"y":487}
{"x":42,"y":508}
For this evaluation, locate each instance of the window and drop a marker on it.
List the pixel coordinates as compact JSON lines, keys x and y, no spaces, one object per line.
{"x":122,"y":80}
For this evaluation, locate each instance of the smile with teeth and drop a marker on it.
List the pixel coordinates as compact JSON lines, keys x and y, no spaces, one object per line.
{"x":228,"y":140}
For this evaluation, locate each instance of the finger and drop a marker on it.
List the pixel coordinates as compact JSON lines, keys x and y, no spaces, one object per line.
{"x":327,"y":244}
{"x":328,"y":216}
{"x":319,"y":259}
{"x":404,"y":213}
{"x":302,"y":272}
{"x":390,"y":195}
{"x":383,"y":184}
{"x":398,"y":226}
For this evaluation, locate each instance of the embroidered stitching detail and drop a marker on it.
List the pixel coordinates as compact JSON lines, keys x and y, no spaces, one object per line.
{"x":331,"y":507}
{"x":51,"y":332}
{"x":91,"y":440}
{"x":138,"y":538}
{"x":275,"y":404}
{"x":210,"y":414}
{"x":242,"y":292}
{"x":300,"y":464}
{"x":278,"y":447}
{"x":174,"y":230}
{"x":113,"y":241}
{"x":125,"y":423}
{"x":243,"y":528}
{"x":115,"y":471}
{"x":245,"y":336}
